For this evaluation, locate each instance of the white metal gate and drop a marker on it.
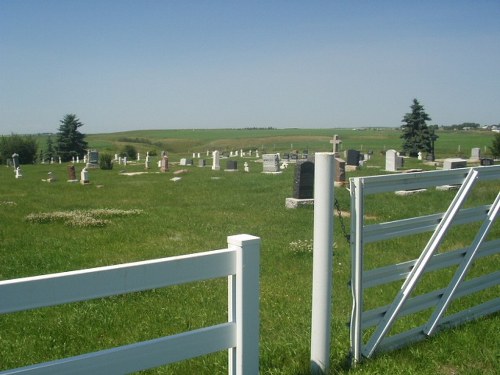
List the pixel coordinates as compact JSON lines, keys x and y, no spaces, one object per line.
{"x":383,"y":318}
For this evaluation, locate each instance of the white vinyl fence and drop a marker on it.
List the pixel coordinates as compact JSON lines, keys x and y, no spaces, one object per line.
{"x":240,"y":335}
{"x":383,"y":318}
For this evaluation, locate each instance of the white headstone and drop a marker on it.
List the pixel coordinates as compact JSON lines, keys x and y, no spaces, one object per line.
{"x":19,"y":173}
{"x":475,"y":153}
{"x":215,"y":160}
{"x":391,"y":160}
{"x":183,"y":161}
{"x":84,"y":176}
{"x":246,"y":167}
{"x":271,"y":163}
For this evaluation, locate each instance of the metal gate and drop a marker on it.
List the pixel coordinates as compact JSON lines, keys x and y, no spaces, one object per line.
{"x":370,"y":329}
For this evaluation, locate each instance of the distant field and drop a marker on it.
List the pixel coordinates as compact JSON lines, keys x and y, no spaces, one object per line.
{"x":184,"y":142}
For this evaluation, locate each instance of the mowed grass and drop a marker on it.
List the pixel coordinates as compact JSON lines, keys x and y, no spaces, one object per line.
{"x":196,"y":214}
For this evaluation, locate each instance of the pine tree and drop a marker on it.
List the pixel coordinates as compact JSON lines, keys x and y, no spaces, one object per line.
{"x":70,"y":142}
{"x":495,"y":146}
{"x":416,"y":136}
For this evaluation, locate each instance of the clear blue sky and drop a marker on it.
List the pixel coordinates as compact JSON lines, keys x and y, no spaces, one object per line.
{"x":147,"y":64}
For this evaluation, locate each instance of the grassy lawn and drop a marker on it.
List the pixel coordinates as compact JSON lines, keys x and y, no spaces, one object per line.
{"x":158,"y":218}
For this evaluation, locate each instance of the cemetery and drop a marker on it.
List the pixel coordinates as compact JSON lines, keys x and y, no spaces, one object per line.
{"x":189,"y":198}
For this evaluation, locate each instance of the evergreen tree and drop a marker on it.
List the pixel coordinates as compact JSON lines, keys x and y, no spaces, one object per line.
{"x":495,"y":146}
{"x":416,"y":136}
{"x":70,"y":142}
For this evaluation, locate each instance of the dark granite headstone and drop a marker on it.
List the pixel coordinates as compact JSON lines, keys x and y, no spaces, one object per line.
{"x":189,"y":162}
{"x":353,"y":157}
{"x":487,"y":161}
{"x":232,"y":165}
{"x":71,"y":172}
{"x":303,"y":183}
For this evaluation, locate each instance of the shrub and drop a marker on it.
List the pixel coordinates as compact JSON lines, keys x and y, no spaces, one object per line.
{"x":129,"y":151}
{"x":106,"y":161}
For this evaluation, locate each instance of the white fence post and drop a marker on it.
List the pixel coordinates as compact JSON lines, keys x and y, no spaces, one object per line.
{"x":324,"y":171}
{"x":243,"y":304}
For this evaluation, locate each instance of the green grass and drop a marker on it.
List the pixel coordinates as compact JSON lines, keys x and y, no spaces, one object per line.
{"x":195,"y":214}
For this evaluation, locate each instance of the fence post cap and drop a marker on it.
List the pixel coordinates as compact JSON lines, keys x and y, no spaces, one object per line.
{"x":240,"y":239}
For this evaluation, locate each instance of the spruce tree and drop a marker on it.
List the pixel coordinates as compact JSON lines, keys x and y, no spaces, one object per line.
{"x":70,"y":142}
{"x":416,"y":136}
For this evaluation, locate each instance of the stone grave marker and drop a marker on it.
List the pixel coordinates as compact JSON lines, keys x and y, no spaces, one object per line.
{"x":183,"y":161}
{"x":339,"y":172}
{"x":215,"y":160}
{"x":92,"y":159}
{"x":487,"y":161}
{"x":71,"y":174}
{"x":202,"y":163}
{"x":353,"y":158}
{"x":393,"y":161}
{"x":271,"y":163}
{"x":453,"y":163}
{"x":475,"y":153}
{"x":336,"y":141}
{"x":231,"y":166}
{"x":164,"y":162}
{"x":15,"y":161}
{"x":303,"y":185}
{"x":19,"y":173}
{"x":84,"y":176}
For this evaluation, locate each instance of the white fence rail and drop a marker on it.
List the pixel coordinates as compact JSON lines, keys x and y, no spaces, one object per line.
{"x":240,"y":335}
{"x":383,"y":317}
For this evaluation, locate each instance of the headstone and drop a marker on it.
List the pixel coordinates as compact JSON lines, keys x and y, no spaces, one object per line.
{"x":124,"y":161}
{"x":71,"y":173}
{"x":60,"y":160}
{"x":339,"y":172}
{"x":138,"y":157}
{"x":393,"y":161}
{"x":19,"y":173}
{"x":51,"y":177}
{"x":420,"y":155}
{"x":93,"y":159}
{"x":271,"y":163}
{"x":453,"y":163}
{"x":189,"y":162}
{"x":73,"y":159}
{"x":164,"y":163}
{"x":231,"y":166}
{"x":183,"y":161}
{"x":256,"y":153}
{"x":147,"y":162}
{"x":475,"y":153}
{"x":15,"y":160}
{"x":246,"y":167}
{"x":77,"y":159}
{"x":487,"y":161}
{"x":336,"y":141}
{"x":353,"y":157}
{"x":202,"y":163}
{"x":84,"y":176}
{"x":215,"y":160}
{"x":303,"y":187}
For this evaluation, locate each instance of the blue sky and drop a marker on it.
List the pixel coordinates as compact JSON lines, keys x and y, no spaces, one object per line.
{"x":148,"y":64}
